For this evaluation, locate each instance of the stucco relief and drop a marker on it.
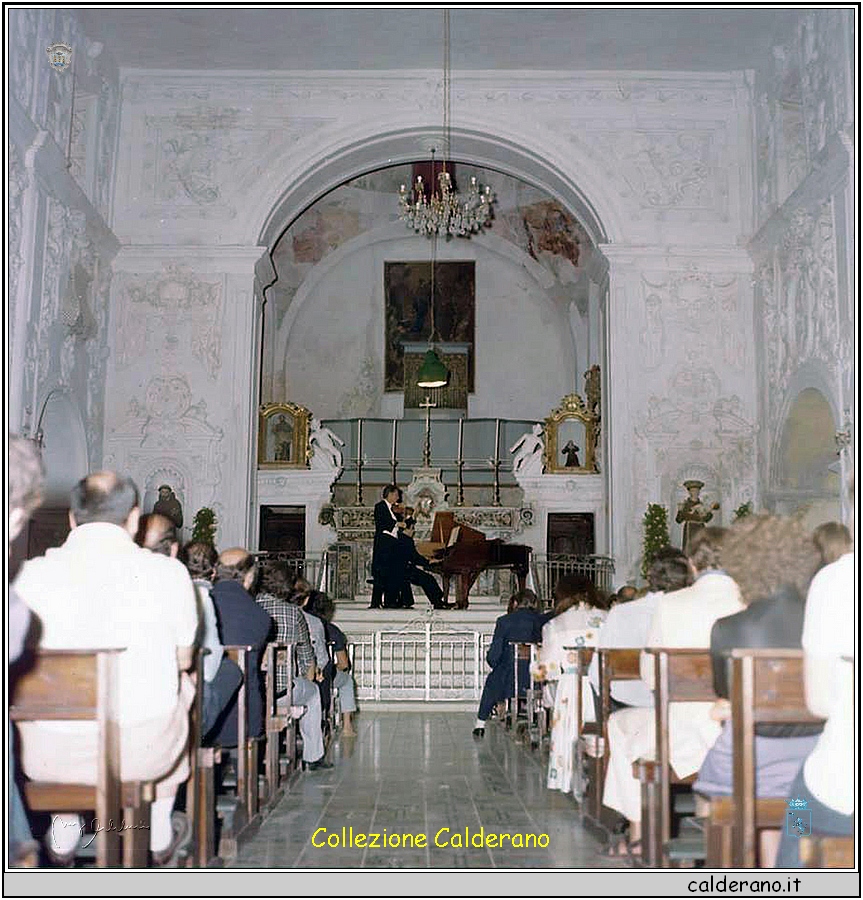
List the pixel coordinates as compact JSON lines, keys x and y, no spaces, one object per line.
{"x":665,"y":169}
{"x":168,"y":429}
{"x":685,"y":302}
{"x":363,"y":396}
{"x":823,"y":79}
{"x":17,"y":183}
{"x":190,"y":313}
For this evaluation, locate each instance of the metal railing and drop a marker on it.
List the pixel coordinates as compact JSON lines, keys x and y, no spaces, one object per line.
{"x":422,"y":663}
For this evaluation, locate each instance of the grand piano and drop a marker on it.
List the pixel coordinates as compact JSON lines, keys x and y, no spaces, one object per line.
{"x":457,"y":550}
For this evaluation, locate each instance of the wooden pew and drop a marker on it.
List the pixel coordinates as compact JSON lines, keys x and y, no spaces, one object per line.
{"x":278,"y":721}
{"x":522,"y":652}
{"x":766,"y":686}
{"x":245,"y":815}
{"x":825,"y":852}
{"x":80,"y":685}
{"x":680,"y":675}
{"x":614,"y":665}
{"x":583,"y":657}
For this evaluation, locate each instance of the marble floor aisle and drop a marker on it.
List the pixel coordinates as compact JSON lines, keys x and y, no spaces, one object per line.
{"x":416,"y":772}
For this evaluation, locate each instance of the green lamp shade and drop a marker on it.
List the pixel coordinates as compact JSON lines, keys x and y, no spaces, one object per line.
{"x":433,"y":373}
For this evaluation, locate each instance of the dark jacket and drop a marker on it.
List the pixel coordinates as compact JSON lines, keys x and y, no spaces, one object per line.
{"x":523,"y":626}
{"x":385,"y":547}
{"x":776,"y":622}
{"x":242,"y":622}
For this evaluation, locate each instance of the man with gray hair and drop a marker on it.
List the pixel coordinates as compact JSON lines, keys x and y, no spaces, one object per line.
{"x":101,"y":590}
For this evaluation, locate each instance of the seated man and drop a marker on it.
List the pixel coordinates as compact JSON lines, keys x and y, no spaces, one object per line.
{"x":291,"y":627}
{"x":222,"y":676}
{"x":524,"y":625}
{"x":682,"y":619}
{"x":242,"y":622}
{"x":100,"y":590}
{"x":414,"y":566}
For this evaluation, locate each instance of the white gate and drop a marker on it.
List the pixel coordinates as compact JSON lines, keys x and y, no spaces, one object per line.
{"x":421,"y":663}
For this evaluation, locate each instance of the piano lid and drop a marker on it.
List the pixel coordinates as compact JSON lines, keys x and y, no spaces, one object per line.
{"x":444,"y":525}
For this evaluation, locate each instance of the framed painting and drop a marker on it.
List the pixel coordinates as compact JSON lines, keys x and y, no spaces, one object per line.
{"x":570,"y":438}
{"x":283,"y":436}
{"x":407,"y":311}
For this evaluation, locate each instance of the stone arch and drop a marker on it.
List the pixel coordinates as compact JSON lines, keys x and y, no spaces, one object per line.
{"x":563,"y":168}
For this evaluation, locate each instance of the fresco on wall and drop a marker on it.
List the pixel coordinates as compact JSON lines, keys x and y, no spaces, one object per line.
{"x":407,"y":291}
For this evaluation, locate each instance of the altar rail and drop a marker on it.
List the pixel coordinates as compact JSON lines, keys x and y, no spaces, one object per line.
{"x":423,"y":663}
{"x":344,"y":569}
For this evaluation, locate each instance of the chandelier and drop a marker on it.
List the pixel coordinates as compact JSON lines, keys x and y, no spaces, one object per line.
{"x":441,"y":210}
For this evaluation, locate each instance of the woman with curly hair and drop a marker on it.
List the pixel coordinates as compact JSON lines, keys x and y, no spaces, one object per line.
{"x":772,"y":559}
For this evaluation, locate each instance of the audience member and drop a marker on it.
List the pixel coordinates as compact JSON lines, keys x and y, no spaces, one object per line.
{"x":625,"y":594}
{"x":243,"y":623}
{"x":524,"y":625}
{"x":100,"y":590}
{"x":683,"y":618}
{"x":772,"y":560}
{"x":826,"y":779}
{"x":25,"y":494}
{"x":833,"y":540}
{"x":291,"y":628}
{"x":318,"y":636}
{"x":342,"y":679}
{"x":576,"y":623}
{"x":627,"y":624}
{"x":222,"y":676}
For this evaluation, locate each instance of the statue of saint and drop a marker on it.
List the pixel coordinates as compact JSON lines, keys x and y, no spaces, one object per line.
{"x":692,"y":513}
{"x":168,"y":505}
{"x":570,"y":451}
{"x":528,"y":451}
{"x":326,"y":447}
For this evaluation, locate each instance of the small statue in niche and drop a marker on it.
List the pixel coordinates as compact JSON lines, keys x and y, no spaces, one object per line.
{"x":528,"y":450}
{"x":570,"y":451}
{"x":692,"y":513}
{"x":326,"y":447}
{"x":168,"y":505}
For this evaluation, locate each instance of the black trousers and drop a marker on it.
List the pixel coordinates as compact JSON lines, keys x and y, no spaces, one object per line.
{"x":427,"y":582}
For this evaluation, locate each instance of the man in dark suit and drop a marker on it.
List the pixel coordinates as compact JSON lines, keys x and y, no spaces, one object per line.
{"x":385,"y":551}
{"x":414,"y":569}
{"x":243,"y":622}
{"x":524,"y":625}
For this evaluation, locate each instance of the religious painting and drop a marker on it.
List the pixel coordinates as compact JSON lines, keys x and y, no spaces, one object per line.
{"x":283,"y":436}
{"x":407,"y":311}
{"x":571,"y":432}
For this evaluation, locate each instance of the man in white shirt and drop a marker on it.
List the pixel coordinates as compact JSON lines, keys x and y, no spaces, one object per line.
{"x":628,"y":624}
{"x":101,"y":590}
{"x":682,"y":619}
{"x":826,"y":781}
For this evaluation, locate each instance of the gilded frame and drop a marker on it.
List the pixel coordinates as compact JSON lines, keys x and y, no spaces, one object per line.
{"x":571,"y":421}
{"x":283,"y":436}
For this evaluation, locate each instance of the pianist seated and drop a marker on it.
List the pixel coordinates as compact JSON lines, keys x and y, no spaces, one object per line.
{"x":523,"y":625}
{"x":413,"y":568}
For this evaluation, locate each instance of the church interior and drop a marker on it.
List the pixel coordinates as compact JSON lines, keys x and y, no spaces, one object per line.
{"x":232,"y":260}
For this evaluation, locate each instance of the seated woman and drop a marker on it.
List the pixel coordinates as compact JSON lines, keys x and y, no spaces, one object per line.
{"x":772,"y":559}
{"x":576,"y":623}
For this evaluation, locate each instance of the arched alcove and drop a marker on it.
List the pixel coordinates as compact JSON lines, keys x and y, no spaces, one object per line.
{"x":64,"y":448}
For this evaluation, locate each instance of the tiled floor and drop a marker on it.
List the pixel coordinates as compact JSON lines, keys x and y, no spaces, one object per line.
{"x":416,"y":773}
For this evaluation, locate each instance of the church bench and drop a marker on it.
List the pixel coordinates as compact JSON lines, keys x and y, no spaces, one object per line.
{"x":63,"y":685}
{"x":524,"y":652}
{"x":278,"y":720}
{"x":680,"y":675}
{"x":614,"y":665}
{"x":583,"y":658}
{"x":766,"y":686}
{"x":826,"y":852}
{"x":242,"y":815}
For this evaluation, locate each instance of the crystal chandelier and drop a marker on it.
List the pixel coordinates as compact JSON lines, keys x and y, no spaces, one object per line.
{"x":443,"y":211}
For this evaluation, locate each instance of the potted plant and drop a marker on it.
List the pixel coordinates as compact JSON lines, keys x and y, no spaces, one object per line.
{"x":656,"y":537}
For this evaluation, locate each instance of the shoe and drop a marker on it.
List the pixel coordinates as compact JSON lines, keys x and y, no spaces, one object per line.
{"x":317,"y":764}
{"x":181,"y":830}
{"x":372,"y":606}
{"x":62,"y":860}
{"x":479,"y":732}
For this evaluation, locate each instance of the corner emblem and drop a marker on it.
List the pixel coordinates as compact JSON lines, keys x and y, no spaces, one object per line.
{"x":60,"y":56}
